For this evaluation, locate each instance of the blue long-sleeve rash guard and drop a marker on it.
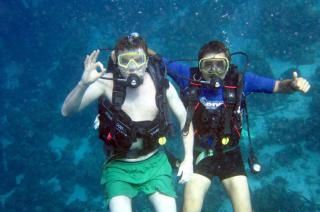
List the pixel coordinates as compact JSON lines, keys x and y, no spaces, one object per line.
{"x":252,"y":83}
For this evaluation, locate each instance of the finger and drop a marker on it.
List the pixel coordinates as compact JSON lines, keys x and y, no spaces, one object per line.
{"x":297,"y":82}
{"x":99,"y":64}
{"x":101,"y":67}
{"x":294,"y":75}
{"x":185,"y":178}
{"x":301,"y":88}
{"x":89,"y":58}
{"x":92,"y":56}
{"x":306,"y":87}
{"x":86,"y":60}
{"x":96,"y":55}
{"x":181,"y":181}
{"x":104,"y":70}
{"x":180,"y":171}
{"x":304,"y":83}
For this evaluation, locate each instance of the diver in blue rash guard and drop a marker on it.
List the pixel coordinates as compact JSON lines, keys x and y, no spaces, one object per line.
{"x":217,"y":120}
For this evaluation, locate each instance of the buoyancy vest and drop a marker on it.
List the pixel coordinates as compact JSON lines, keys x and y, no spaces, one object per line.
{"x":217,"y":129}
{"x":116,"y":128}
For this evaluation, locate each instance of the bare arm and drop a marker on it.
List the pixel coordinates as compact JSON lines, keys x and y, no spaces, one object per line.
{"x":81,"y":96}
{"x":292,"y":85}
{"x":88,"y":89}
{"x":176,"y":105}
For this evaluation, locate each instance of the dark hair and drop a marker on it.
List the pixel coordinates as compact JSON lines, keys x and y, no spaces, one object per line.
{"x":215,"y":47}
{"x":130,"y":42}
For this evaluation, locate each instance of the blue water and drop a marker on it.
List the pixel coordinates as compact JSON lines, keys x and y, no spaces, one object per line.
{"x":50,"y":163}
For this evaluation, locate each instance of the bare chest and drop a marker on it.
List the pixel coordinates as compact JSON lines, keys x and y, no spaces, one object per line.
{"x":140,"y":103}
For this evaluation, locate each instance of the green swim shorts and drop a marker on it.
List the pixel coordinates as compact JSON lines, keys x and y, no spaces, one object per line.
{"x":129,"y":178}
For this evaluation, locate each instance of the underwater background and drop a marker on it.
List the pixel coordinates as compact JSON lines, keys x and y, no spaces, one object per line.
{"x":51,"y":163}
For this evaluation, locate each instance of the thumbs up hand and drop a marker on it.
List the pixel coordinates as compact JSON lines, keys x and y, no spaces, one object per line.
{"x":299,"y":83}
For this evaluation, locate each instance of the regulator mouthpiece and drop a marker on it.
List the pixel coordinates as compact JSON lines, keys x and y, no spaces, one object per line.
{"x":134,"y":81}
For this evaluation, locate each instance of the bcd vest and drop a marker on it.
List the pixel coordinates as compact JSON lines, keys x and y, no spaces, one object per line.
{"x":116,"y":128}
{"x":217,"y":129}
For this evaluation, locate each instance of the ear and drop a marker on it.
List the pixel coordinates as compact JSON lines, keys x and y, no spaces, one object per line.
{"x":113,"y":56}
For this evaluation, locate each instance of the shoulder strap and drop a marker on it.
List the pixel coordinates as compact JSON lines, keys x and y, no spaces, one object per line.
{"x":158,"y":73}
{"x":195,"y":73}
{"x":190,"y":97}
{"x":119,"y":90}
{"x":118,"y":93}
{"x":232,"y":96}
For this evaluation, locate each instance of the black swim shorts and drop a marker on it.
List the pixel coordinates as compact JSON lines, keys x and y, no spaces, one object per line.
{"x":224,"y":166}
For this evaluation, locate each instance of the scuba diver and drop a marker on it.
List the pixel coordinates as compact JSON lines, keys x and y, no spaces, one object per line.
{"x":214,"y":95}
{"x":134,"y":95}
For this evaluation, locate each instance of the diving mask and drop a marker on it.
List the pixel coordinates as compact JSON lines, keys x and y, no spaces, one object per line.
{"x":212,"y":66}
{"x":137,"y":58}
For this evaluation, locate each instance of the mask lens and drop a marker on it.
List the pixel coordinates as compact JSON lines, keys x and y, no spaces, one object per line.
{"x":137,"y":58}
{"x":123,"y":61}
{"x":206,"y":65}
{"x":220,"y":66}
{"x":215,"y":66}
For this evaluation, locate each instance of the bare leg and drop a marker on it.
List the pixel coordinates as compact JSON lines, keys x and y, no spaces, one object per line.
{"x":163,"y":203}
{"x":120,"y":204}
{"x":238,"y":191}
{"x":195,"y":192}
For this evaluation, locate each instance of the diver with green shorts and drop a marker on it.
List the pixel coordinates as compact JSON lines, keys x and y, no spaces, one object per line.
{"x":134,"y":96}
